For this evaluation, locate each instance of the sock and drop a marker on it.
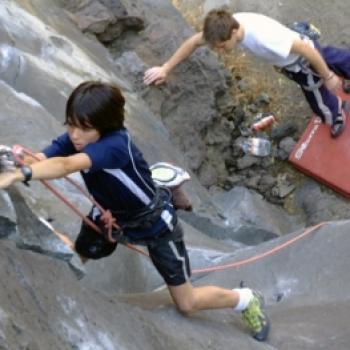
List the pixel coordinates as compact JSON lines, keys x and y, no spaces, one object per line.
{"x":245,"y":297}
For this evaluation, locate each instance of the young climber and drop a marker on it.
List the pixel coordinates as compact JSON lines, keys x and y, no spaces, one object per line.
{"x":115,"y":173}
{"x":314,"y":68}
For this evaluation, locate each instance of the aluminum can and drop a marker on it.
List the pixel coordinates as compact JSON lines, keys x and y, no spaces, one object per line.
{"x":263,"y":123}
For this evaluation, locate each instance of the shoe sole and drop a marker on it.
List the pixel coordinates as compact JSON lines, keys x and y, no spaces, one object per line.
{"x":345,"y":111}
{"x":264,"y":333}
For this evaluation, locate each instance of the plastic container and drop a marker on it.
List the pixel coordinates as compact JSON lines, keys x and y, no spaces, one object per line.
{"x":264,"y":120}
{"x":256,"y":146}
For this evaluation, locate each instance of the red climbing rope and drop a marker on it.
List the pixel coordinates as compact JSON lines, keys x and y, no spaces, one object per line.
{"x":262,"y":255}
{"x":17,"y":149}
{"x":111,"y":222}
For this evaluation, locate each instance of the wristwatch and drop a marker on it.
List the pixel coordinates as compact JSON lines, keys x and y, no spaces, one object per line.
{"x":27,"y":173}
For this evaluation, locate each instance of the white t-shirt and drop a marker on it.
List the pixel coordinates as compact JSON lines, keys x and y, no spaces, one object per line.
{"x":266,"y":38}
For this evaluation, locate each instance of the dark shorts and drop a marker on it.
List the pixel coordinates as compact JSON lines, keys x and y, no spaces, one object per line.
{"x":169,"y":255}
{"x":167,"y":252}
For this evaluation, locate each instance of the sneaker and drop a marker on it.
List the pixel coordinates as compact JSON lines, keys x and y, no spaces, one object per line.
{"x":339,"y":123}
{"x":255,"y":318}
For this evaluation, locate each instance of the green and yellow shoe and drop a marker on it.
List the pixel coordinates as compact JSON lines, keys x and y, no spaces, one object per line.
{"x":255,"y":318}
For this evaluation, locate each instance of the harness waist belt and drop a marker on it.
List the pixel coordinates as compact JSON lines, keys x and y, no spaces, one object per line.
{"x":147,"y":216}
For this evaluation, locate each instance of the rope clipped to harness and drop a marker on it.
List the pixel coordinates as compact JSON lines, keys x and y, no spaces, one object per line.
{"x":19,"y":150}
{"x":111,"y":224}
{"x":109,"y":220}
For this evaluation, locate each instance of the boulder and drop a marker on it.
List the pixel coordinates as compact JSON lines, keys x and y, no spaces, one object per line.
{"x":8,"y":216}
{"x":107,"y":19}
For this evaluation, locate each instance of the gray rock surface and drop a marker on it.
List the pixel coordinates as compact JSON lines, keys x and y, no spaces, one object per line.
{"x":242,"y":208}
{"x":318,"y":204}
{"x":8,"y":216}
{"x":107,"y":19}
{"x":44,"y":307}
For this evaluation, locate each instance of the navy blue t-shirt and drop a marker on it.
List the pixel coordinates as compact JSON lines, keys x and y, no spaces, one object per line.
{"x":119,"y":178}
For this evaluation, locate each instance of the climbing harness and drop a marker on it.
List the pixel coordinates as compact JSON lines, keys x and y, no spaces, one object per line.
{"x":114,"y":225}
{"x":111,"y":223}
{"x":309,"y":34}
{"x":146,"y":217}
{"x":305,"y":28}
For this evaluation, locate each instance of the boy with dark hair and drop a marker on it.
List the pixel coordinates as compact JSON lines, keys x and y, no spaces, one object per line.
{"x":312,"y":67}
{"x":115,"y":173}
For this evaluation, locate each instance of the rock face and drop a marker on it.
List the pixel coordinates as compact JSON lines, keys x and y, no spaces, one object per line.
{"x":43,"y":60}
{"x":107,"y":19}
{"x":255,"y":213}
{"x":191,"y":107}
{"x":43,"y":306}
{"x":43,"y":56}
{"x":7,"y":216}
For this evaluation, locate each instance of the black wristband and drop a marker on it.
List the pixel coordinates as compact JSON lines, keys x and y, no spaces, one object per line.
{"x":27,"y":173}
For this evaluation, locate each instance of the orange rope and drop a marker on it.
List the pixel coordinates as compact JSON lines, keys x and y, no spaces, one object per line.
{"x":17,"y":148}
{"x":262,"y":255}
{"x":139,"y":250}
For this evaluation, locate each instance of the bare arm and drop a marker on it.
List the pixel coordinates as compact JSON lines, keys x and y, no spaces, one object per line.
{"x":184,"y":51}
{"x":157,"y":75}
{"x":331,"y":81}
{"x":51,"y":168}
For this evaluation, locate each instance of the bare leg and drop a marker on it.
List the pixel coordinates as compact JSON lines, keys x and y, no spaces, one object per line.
{"x":189,"y":299}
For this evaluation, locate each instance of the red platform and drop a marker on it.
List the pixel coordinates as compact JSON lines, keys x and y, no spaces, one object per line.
{"x":326,"y":159}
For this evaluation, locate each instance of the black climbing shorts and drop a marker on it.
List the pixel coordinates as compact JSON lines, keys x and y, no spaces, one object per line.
{"x":167,"y":251}
{"x":169,"y":255}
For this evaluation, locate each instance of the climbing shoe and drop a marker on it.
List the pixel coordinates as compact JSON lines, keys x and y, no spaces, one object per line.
{"x":255,"y":318}
{"x":339,"y":123}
